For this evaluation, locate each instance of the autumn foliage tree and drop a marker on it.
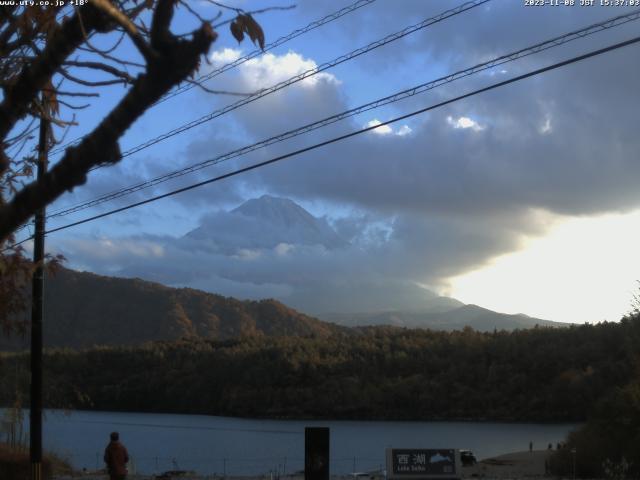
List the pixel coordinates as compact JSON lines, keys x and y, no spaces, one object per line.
{"x":52,"y":58}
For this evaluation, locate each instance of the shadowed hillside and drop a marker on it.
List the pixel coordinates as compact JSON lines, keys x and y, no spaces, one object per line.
{"x":83,"y":309}
{"x":450,"y":317}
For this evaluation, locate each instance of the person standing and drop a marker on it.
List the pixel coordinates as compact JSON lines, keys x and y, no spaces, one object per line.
{"x":116,"y":458}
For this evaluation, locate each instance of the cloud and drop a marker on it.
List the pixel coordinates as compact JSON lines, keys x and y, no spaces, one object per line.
{"x":429,"y":197}
{"x":462,"y":190}
{"x":308,"y":278}
{"x":283,"y":248}
{"x":109,"y":254}
{"x":581,"y":165}
{"x":404,"y":130}
{"x":464,"y":123}
{"x":318,"y":96}
{"x":227,"y":55}
{"x":546,"y":126}
{"x":269,"y":69}
{"x":382,"y":266}
{"x":247,"y":254}
{"x":386,"y":129}
{"x":383,"y":130}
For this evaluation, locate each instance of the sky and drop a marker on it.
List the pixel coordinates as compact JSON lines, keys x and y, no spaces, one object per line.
{"x":523,"y":199}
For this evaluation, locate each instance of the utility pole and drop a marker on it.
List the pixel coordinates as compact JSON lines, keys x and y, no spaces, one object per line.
{"x":37,"y":307}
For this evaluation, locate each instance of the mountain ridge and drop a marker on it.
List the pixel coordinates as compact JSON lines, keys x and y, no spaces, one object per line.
{"x":83,"y":309}
{"x":466,"y":315}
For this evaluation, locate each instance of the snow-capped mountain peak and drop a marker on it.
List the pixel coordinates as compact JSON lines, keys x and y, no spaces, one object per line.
{"x":266,"y":222}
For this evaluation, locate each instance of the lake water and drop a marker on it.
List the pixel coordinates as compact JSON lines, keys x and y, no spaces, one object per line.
{"x":235,"y":446}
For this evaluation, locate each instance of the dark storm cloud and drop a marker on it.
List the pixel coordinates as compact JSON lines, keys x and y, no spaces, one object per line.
{"x":440,"y":200}
{"x":306,"y":277}
{"x":584,"y":163}
{"x":565,"y":143}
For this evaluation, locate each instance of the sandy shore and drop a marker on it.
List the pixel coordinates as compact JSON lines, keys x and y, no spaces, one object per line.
{"x":511,"y":465}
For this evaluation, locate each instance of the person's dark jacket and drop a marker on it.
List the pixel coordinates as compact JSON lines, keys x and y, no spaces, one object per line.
{"x":116,"y":458}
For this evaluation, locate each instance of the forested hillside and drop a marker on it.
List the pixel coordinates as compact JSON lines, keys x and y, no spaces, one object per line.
{"x":83,"y":309}
{"x":542,"y":374}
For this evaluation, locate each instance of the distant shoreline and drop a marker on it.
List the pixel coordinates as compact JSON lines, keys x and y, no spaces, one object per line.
{"x":320,"y":419}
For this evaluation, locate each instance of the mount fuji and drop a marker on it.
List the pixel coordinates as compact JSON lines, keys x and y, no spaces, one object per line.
{"x":276,"y":241}
{"x":264,"y":223}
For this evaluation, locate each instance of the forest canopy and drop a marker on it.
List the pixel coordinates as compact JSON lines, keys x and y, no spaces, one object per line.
{"x":540,"y":374}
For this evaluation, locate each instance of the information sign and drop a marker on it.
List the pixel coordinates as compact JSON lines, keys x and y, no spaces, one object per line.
{"x":413,"y":463}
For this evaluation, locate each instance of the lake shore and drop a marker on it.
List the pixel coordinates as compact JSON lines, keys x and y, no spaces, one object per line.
{"x":511,"y":465}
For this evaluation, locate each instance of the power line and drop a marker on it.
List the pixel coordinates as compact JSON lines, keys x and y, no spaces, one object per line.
{"x":343,"y":137}
{"x":255,"y":53}
{"x":358,"y":132}
{"x":270,"y":46}
{"x":309,"y":73}
{"x":542,"y":46}
{"x":304,"y":75}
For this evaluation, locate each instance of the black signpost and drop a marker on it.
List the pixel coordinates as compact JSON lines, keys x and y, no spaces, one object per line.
{"x":419,"y":463}
{"x":316,"y":453}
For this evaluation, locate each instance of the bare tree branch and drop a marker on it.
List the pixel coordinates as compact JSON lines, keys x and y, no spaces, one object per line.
{"x":90,"y":83}
{"x":110,"y":57}
{"x":160,"y":33}
{"x":252,"y":12}
{"x":177,"y":59}
{"x":217,"y":92}
{"x":74,"y":107}
{"x":128,"y":26}
{"x":73,"y":94}
{"x":226,"y":7}
{"x":193,"y":12}
{"x":101,"y":66}
{"x":17,"y":136}
{"x":35,"y":75}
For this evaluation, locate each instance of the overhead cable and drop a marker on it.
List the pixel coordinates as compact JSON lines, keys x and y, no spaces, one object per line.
{"x":304,"y":75}
{"x":354,"y":133}
{"x":255,"y":53}
{"x":418,"y":89}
